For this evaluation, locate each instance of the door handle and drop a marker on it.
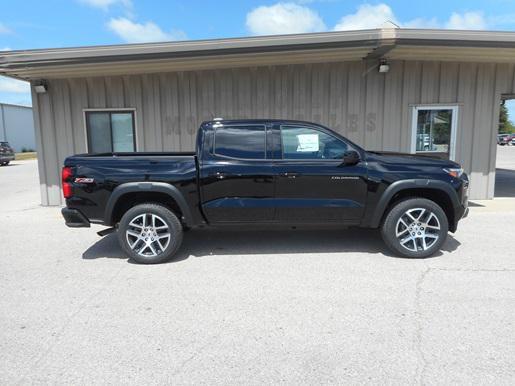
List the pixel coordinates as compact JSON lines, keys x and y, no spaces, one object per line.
{"x":220,"y":175}
{"x":290,"y":174}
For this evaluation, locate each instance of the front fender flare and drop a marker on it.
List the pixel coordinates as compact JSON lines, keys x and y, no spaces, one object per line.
{"x":398,"y":186}
{"x":142,"y":187}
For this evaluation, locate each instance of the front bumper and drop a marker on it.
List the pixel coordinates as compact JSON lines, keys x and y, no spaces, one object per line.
{"x":461,"y":209}
{"x":74,"y":218}
{"x":6,"y":157}
{"x":465,"y":197}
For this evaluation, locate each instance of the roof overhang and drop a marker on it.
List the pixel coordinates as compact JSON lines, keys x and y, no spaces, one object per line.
{"x":391,"y":43}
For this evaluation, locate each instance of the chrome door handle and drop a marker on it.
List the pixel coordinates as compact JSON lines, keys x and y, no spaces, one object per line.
{"x":290,"y":174}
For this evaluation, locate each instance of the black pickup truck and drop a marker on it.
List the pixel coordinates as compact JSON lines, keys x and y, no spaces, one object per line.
{"x":264,"y":172}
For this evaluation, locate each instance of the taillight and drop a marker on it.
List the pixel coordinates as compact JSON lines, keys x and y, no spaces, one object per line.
{"x":66,"y":174}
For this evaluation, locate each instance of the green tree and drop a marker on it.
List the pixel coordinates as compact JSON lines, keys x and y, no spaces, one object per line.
{"x":505,"y":124}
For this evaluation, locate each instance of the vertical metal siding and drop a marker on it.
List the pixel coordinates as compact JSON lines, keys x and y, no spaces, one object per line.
{"x":17,"y":126}
{"x":393,"y":97}
{"x":482,"y":131}
{"x":44,"y":181}
{"x":369,"y":108}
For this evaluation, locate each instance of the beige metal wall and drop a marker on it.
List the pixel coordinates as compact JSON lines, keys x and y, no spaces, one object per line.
{"x":369,"y":108}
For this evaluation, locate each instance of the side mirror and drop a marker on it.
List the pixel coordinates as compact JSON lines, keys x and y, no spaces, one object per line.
{"x":350,"y":157}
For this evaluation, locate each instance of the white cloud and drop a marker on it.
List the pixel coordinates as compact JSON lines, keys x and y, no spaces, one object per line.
{"x":133,"y":32}
{"x":4,"y":29}
{"x":420,"y":22}
{"x":375,"y":16}
{"x":468,"y":20}
{"x":5,"y":49}
{"x":105,"y":4}
{"x":14,"y":86}
{"x":366,"y":17}
{"x":283,"y":18}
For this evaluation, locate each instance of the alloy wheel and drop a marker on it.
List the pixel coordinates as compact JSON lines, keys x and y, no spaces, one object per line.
{"x":148,"y":235}
{"x":417,"y":229}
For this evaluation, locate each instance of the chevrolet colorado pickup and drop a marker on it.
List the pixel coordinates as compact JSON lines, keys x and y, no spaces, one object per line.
{"x":264,"y":172}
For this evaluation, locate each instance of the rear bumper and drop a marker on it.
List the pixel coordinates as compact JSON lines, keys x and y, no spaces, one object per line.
{"x":74,"y":218}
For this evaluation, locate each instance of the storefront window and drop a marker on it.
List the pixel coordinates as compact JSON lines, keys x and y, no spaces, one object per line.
{"x":434,"y":130}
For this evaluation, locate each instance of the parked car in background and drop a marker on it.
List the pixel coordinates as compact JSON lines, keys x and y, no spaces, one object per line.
{"x":505,"y":139}
{"x":425,"y":142}
{"x":6,"y":153}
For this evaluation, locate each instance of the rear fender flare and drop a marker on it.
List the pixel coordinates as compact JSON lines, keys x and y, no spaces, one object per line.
{"x":142,"y":187}
{"x":399,"y":186}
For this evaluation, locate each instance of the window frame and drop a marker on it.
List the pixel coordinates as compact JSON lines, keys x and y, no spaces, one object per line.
{"x":454,"y":128}
{"x":220,"y":126}
{"x":316,"y":128}
{"x":88,"y":111}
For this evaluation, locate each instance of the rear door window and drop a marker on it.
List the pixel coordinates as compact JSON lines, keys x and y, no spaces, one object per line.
{"x":244,"y":142}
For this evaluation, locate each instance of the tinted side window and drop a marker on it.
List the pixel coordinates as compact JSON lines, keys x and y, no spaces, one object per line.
{"x":240,"y":142}
{"x":308,"y":143}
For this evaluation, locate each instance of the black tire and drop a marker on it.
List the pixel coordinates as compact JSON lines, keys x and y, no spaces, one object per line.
{"x":152,"y":253}
{"x":418,"y":236}
{"x":6,"y":163}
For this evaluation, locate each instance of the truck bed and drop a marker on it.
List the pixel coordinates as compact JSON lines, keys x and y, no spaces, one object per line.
{"x":106,"y":171}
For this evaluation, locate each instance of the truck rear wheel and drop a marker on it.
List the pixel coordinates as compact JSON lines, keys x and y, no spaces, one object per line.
{"x":150,"y":233}
{"x":416,"y":228}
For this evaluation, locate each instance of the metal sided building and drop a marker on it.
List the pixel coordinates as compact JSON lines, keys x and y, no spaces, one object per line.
{"x":415,"y":91}
{"x":17,"y":126}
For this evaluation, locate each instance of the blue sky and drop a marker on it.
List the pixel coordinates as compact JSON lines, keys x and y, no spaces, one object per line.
{"x":61,"y":23}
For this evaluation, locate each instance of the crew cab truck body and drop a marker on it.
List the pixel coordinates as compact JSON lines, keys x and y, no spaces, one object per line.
{"x":264,"y":172}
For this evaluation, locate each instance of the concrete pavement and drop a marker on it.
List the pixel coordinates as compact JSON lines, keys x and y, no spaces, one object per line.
{"x":253,"y":307}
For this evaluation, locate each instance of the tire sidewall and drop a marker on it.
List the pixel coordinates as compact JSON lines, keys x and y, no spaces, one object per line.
{"x":388,"y":228}
{"x":174,"y":225}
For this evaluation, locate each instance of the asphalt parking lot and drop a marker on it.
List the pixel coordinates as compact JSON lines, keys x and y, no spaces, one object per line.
{"x":253,"y":307}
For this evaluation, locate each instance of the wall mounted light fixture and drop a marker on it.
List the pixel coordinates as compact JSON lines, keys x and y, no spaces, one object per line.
{"x":384,"y":67}
{"x":40,"y":87}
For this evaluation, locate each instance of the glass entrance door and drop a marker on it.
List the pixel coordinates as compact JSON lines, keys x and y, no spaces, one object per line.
{"x":434,"y":131}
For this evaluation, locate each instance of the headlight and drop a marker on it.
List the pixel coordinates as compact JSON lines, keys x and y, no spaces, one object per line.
{"x":454,"y":172}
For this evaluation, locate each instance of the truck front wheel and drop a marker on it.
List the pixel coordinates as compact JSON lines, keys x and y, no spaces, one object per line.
{"x":150,"y":233}
{"x":416,"y":227}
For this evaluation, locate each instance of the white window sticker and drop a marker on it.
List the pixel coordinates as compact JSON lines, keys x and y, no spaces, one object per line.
{"x":307,"y":142}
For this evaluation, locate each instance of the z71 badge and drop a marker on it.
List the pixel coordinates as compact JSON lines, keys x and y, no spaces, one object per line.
{"x":81,"y":180}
